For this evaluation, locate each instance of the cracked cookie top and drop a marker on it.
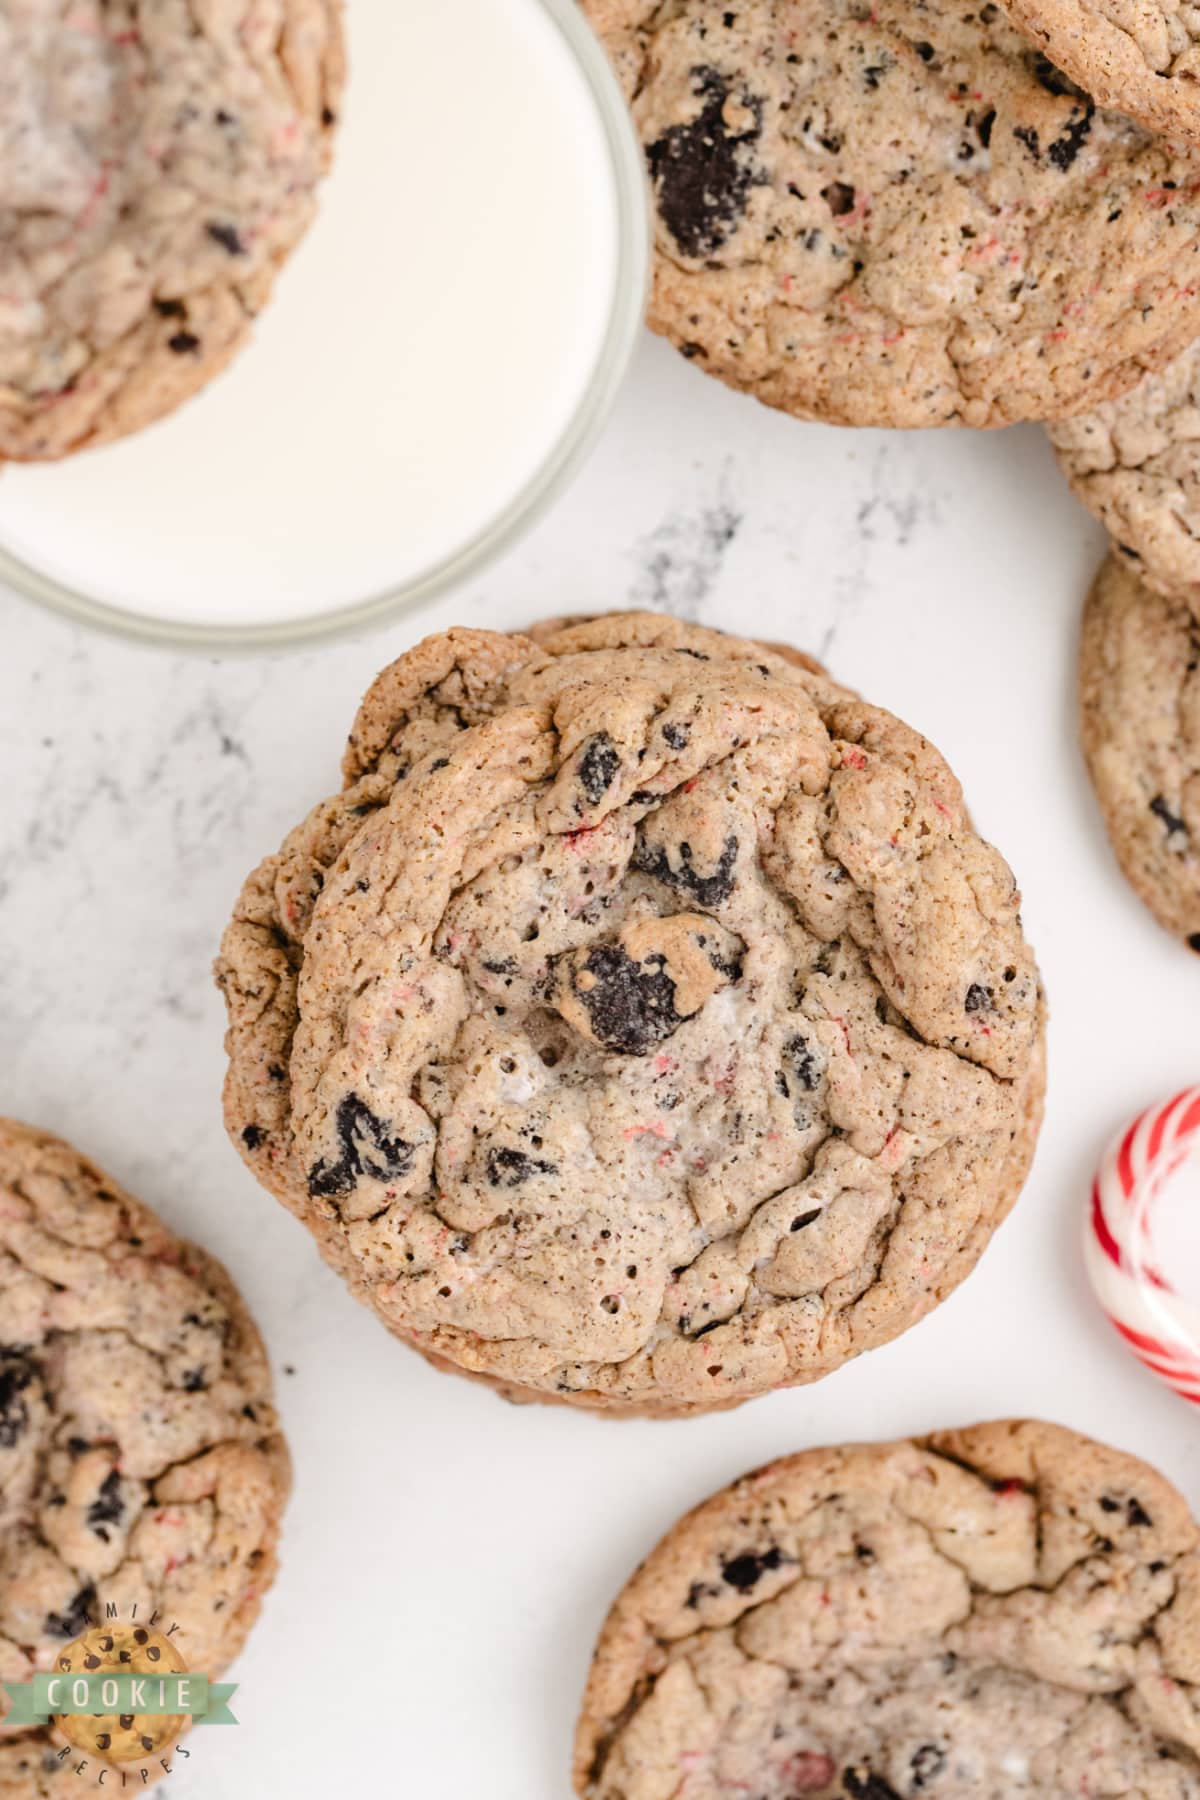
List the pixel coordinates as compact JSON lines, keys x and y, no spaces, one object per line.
{"x":1135,"y":463}
{"x":1142,"y":59}
{"x":157,"y":164}
{"x":644,"y":1025}
{"x":1006,"y":1610}
{"x":900,"y":214}
{"x":1140,"y":709}
{"x":141,"y":1463}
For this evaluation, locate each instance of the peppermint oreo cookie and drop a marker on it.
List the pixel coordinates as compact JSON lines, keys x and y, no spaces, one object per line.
{"x":644,"y":1025}
{"x":158,"y":163}
{"x":1135,"y":463}
{"x":142,"y":1469}
{"x":1139,"y":677}
{"x":901,"y":214}
{"x":1006,"y":1610}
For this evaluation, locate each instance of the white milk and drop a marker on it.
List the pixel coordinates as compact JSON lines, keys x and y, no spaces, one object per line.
{"x":425,"y":350}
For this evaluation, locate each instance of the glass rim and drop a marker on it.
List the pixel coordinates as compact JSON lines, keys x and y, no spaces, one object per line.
{"x":554,"y":474}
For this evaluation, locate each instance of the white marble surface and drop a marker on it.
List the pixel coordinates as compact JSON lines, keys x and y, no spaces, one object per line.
{"x":464,"y":1550}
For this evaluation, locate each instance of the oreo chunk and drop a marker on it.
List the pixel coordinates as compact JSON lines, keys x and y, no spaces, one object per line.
{"x":707,"y":890}
{"x":507,"y":1168}
{"x":730,"y":966}
{"x":799,"y":1066}
{"x":503,"y":965}
{"x":861,"y":1784}
{"x":107,"y":1508}
{"x":630,"y":1005}
{"x":1050,"y":77}
{"x":703,"y":172}
{"x":745,"y":1571}
{"x":1135,"y":1512}
{"x":629,"y":995}
{"x":1027,"y":135}
{"x":1170,"y":820}
{"x":927,"y":1764}
{"x":15,"y":1376}
{"x":227,"y":236}
{"x":74,"y":1619}
{"x":598,"y":767}
{"x":366,"y":1150}
{"x":1070,"y":141}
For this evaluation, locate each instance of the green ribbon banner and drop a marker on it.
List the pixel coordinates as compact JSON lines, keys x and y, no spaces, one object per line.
{"x":195,"y":1696}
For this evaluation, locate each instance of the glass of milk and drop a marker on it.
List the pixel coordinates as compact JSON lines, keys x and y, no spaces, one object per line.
{"x":437,"y":359}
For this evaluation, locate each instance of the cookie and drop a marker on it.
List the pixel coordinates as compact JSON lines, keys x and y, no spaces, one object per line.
{"x":1006,"y":1610}
{"x":142,"y":1463}
{"x":158,"y":163}
{"x":1140,"y":713}
{"x":644,"y":1026}
{"x":1135,"y":463}
{"x":900,"y":214}
{"x":1143,"y":60}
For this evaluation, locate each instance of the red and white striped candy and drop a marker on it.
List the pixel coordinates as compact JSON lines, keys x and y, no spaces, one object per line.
{"x":1159,"y":1325}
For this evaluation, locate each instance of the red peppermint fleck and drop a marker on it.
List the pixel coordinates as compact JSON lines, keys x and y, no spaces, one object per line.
{"x":809,"y":1771}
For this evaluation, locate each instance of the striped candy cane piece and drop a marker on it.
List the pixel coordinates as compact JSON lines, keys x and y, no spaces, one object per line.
{"x":1158,"y":1324}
